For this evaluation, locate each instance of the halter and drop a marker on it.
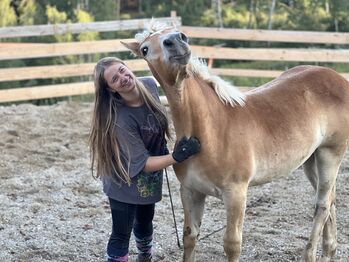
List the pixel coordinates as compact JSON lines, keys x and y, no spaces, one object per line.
{"x":159,"y":28}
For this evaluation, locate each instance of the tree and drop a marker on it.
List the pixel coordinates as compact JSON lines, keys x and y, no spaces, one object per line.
{"x":217,"y":9}
{"x":56,"y":17}
{"x":103,"y":11}
{"x":7,"y":14}
{"x":251,"y":15}
{"x":27,"y":12}
{"x":190,"y":11}
{"x":66,"y":7}
{"x":309,"y":15}
{"x":84,"y":17}
{"x":339,"y":15}
{"x":271,"y":12}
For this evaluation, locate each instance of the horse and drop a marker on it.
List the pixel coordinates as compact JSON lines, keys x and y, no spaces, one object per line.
{"x":301,"y":118}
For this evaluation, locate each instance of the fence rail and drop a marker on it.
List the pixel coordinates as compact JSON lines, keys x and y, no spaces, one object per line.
{"x":22,"y":50}
{"x":13,"y":51}
{"x":107,"y":26}
{"x":267,"y":35}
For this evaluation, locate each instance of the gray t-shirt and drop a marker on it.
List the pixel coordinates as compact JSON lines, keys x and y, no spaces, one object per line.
{"x":140,"y":135}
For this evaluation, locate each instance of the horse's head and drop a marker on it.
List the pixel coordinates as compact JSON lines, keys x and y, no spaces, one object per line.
{"x":164,"y":48}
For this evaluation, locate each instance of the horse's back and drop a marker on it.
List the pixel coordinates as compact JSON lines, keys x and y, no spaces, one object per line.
{"x":311,"y":85}
{"x":316,"y":79}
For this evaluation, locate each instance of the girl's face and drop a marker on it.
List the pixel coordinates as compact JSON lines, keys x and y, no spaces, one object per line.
{"x":119,"y":78}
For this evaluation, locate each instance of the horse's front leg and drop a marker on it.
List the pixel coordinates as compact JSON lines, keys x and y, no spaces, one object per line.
{"x":193,"y":203}
{"x":235,"y":203}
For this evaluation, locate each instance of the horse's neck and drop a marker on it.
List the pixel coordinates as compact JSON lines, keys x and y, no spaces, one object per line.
{"x":192,"y":103}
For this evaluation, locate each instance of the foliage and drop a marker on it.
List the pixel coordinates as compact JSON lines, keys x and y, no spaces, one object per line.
{"x":316,"y":15}
{"x":7,"y":14}
{"x":103,"y":10}
{"x":236,"y":17}
{"x":56,"y":17}
{"x":27,"y":11}
{"x":190,"y":12}
{"x":66,"y":7}
{"x":84,"y":17}
{"x":309,"y":17}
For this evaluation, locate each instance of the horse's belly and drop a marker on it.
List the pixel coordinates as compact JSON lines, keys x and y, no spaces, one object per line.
{"x":267,"y":175}
{"x":282,"y":160}
{"x":268,"y":170}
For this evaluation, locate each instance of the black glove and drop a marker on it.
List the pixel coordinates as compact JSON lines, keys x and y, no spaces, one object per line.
{"x":186,"y":148}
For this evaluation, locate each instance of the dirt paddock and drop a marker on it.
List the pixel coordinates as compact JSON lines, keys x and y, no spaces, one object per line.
{"x":53,"y":210}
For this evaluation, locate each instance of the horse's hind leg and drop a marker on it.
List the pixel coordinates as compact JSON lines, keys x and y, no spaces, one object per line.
{"x":310,"y":170}
{"x":327,"y":160}
{"x":329,"y":243}
{"x":193,"y":204}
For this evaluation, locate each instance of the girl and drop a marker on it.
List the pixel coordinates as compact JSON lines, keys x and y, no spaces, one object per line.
{"x":128,"y":150}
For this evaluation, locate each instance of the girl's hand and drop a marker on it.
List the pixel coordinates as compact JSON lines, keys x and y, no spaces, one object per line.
{"x":186,"y":148}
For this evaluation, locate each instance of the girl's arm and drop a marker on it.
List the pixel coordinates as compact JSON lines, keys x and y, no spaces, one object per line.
{"x":155,"y":163}
{"x":183,"y":149}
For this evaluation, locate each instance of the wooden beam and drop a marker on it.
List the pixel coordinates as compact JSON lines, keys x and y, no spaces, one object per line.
{"x":246,"y":72}
{"x":253,"y":72}
{"x":60,"y":90}
{"x":40,"y":92}
{"x":267,"y":35}
{"x":44,"y":72}
{"x":273,"y":54}
{"x":69,"y":70}
{"x":23,"y":50}
{"x":20,"y":51}
{"x":105,"y":26}
{"x":195,"y":32}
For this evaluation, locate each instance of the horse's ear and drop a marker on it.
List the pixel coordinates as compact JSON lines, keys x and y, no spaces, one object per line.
{"x":174,"y":25}
{"x":133,"y":47}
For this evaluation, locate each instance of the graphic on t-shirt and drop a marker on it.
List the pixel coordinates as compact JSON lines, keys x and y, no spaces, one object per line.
{"x":151,"y":125}
{"x":148,"y":183}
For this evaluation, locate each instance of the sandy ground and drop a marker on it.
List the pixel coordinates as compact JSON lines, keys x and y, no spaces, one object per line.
{"x":53,"y":210}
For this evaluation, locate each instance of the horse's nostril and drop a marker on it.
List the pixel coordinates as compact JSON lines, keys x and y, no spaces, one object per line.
{"x":168,"y":42}
{"x":184,"y":37}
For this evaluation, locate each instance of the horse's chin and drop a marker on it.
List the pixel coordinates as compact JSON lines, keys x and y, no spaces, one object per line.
{"x":181,"y":59}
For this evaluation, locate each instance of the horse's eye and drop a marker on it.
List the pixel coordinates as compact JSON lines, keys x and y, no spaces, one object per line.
{"x":144,"y":51}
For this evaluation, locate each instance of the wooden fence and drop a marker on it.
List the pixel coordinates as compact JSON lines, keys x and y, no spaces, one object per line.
{"x":13,"y":51}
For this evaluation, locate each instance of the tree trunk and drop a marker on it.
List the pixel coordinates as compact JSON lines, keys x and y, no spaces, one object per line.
{"x":117,"y":11}
{"x":217,"y":8}
{"x":251,"y":14}
{"x":271,"y":12}
{"x":336,"y":25}
{"x":140,"y":10}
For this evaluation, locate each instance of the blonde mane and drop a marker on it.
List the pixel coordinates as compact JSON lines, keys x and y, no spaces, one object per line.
{"x":226,"y":92}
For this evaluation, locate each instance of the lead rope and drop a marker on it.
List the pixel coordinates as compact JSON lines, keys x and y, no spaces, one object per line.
{"x":173,"y":214}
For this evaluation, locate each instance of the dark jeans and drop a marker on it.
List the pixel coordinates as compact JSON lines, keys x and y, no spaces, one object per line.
{"x":125,"y":218}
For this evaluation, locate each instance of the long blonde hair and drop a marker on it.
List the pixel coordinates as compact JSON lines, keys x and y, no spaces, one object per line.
{"x":104,"y":145}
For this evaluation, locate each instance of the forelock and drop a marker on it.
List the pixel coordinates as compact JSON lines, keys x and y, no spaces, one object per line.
{"x":154,"y":27}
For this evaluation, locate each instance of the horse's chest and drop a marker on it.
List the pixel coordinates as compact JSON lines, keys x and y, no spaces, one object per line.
{"x":194,"y":178}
